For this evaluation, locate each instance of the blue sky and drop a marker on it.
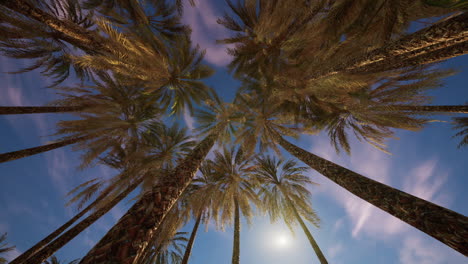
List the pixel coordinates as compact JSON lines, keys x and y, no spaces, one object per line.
{"x":425,"y":163}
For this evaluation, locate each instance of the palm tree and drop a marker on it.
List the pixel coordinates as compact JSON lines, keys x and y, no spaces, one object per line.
{"x":284,"y":194}
{"x":4,"y":248}
{"x":445,"y":225}
{"x":160,"y":148}
{"x":200,"y":203}
{"x":268,"y":123}
{"x":62,"y":29}
{"x":158,"y":19}
{"x":169,"y":251}
{"x":438,"y":42}
{"x":116,"y":113}
{"x":233,"y":191}
{"x":462,"y":124}
{"x":54,"y":260}
{"x":15,"y":110}
{"x":370,"y":106}
{"x":269,"y":35}
{"x":184,"y":86}
{"x":148,"y":212}
{"x":65,"y":28}
{"x":9,"y":156}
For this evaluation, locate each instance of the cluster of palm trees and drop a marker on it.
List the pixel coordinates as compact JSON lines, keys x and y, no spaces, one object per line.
{"x":337,"y":66}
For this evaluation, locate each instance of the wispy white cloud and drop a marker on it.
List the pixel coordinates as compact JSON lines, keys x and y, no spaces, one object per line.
{"x":417,"y":250}
{"x":424,"y":181}
{"x":205,"y":31}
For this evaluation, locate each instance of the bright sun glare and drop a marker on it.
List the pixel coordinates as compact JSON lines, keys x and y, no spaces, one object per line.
{"x":282,"y":241}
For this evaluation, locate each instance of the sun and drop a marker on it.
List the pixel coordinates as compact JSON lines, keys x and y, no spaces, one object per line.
{"x":282,"y":241}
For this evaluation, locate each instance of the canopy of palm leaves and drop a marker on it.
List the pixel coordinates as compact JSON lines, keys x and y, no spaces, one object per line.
{"x":281,"y":181}
{"x":232,"y":172}
{"x":146,"y":63}
{"x":24,"y":38}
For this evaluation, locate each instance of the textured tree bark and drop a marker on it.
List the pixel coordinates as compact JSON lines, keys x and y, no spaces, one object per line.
{"x":447,"y":226}
{"x":66,"y":30}
{"x":403,"y":61}
{"x":58,"y":243}
{"x":236,"y":242}
{"x":311,"y":239}
{"x":38,"y":246}
{"x":431,"y":108}
{"x":188,"y":249}
{"x":15,"y":110}
{"x":442,"y":40}
{"x":9,"y":156}
{"x":127,"y":240}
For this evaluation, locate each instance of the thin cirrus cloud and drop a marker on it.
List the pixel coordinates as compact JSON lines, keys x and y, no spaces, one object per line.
{"x":426,"y":180}
{"x":205,"y":31}
{"x":423,"y":181}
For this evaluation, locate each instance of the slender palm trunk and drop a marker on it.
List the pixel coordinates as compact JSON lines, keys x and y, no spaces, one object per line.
{"x":431,"y":108}
{"x":15,"y":110}
{"x":58,"y":243}
{"x":440,"y":41}
{"x":188,"y":249}
{"x":416,"y":58}
{"x":9,"y":156}
{"x":236,"y":243}
{"x":311,"y":239}
{"x":127,"y":240}
{"x":66,"y":30}
{"x":449,"y":227}
{"x":21,"y":258}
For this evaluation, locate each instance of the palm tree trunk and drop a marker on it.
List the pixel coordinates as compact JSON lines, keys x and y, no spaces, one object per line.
{"x":188,"y":249}
{"x":66,"y":30}
{"x":38,"y":246}
{"x":449,"y":227}
{"x":9,"y":156}
{"x":58,"y":243}
{"x":431,"y":108}
{"x":15,"y":110}
{"x":438,"y":42}
{"x":127,"y":240}
{"x":416,"y":58}
{"x":236,"y":243}
{"x":312,"y":241}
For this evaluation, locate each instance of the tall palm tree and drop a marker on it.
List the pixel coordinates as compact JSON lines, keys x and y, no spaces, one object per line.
{"x":62,"y":29}
{"x":438,"y":42}
{"x":233,"y":191}
{"x":200,"y":202}
{"x":284,"y":194}
{"x":160,"y":148}
{"x":4,"y":248}
{"x":445,"y":225}
{"x":15,"y":110}
{"x":148,"y":212}
{"x":269,"y":33}
{"x":46,"y":14}
{"x":267,"y":123}
{"x":115,"y":113}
